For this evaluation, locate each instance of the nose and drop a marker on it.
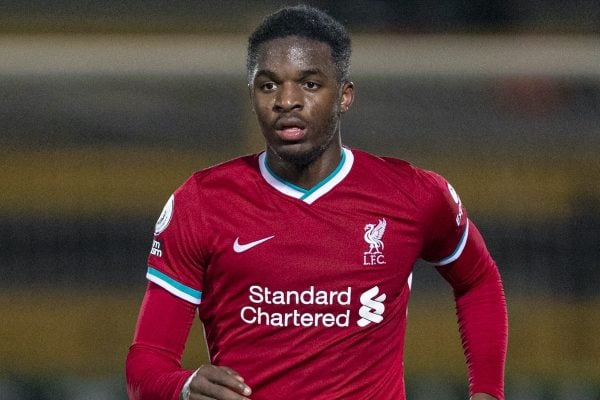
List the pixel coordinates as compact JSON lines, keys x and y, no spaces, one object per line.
{"x":289,"y":97}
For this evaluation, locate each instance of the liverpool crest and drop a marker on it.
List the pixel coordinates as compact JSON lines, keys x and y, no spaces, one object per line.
{"x":374,"y":238}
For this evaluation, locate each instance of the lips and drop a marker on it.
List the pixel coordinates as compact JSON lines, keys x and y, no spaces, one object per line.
{"x":290,"y":129}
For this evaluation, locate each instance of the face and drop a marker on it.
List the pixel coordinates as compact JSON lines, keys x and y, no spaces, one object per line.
{"x":299,"y":100}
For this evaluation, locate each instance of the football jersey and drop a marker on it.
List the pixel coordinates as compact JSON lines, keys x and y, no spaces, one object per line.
{"x":304,"y":292}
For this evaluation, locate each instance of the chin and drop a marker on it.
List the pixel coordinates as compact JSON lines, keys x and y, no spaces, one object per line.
{"x":298,"y":155}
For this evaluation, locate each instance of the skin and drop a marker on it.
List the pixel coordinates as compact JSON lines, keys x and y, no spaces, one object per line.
{"x":218,"y":383}
{"x":296,"y":82}
{"x":295,"y":86}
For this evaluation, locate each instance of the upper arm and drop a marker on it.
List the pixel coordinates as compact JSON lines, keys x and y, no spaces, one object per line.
{"x":474,"y":266}
{"x":444,"y":219}
{"x":177,"y":260}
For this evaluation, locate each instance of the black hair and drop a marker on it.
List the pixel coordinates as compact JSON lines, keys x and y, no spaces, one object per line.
{"x":307,"y":22}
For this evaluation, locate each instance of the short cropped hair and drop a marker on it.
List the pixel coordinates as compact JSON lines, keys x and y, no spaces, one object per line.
{"x":306,"y":22}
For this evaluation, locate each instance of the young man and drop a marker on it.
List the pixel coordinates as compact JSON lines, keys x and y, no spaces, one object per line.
{"x":298,"y":260}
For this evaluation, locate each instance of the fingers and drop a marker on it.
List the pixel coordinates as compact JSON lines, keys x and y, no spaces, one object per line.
{"x":218,"y":383}
{"x":233,"y":373}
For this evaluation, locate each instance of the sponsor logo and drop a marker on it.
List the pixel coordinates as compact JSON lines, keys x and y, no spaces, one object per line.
{"x":165,"y":216}
{"x":374,"y":238}
{"x":456,"y":199}
{"x":372,"y":307}
{"x":265,"y":305}
{"x":240,"y":248}
{"x":257,"y":314}
{"x":156,"y":251}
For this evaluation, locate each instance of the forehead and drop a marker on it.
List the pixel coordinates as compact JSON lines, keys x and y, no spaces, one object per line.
{"x":298,"y":52}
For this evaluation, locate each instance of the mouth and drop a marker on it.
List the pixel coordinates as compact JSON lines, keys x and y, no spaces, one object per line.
{"x":290,"y":129}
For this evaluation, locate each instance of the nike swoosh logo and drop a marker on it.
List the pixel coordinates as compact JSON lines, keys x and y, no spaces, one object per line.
{"x":240,"y":248}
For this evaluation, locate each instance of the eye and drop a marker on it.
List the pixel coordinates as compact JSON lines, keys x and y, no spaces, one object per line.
{"x":310,"y":85}
{"x":268,"y":86}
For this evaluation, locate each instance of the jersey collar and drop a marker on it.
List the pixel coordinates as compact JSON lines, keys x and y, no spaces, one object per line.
{"x":319,"y":190}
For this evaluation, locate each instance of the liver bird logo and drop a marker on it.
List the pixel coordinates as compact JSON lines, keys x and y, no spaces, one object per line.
{"x":373,"y":235}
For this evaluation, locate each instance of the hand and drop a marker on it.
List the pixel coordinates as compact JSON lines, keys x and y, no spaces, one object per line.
{"x":482,"y":396}
{"x":218,"y":383}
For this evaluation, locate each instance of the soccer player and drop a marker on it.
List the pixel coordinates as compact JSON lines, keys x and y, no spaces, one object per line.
{"x":298,"y":260}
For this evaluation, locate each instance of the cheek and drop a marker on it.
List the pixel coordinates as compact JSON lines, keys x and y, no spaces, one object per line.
{"x":319,"y":105}
{"x":260,"y":101}
{"x":263,"y":113}
{"x":325,"y":112}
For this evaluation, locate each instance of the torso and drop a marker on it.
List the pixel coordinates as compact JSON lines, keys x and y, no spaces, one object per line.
{"x":317,"y":308}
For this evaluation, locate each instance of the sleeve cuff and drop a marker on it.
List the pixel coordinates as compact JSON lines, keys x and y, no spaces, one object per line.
{"x":185,"y":390}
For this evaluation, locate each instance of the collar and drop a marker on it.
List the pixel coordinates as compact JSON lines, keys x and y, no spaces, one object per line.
{"x":319,"y":190}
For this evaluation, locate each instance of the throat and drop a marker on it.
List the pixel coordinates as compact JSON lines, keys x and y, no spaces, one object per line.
{"x":305,"y":176}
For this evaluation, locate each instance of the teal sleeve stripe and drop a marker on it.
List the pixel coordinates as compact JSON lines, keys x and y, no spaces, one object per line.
{"x":459,"y":249}
{"x":196,"y":294}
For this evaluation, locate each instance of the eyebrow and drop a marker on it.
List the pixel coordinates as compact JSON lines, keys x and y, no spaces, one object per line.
{"x":303,"y":74}
{"x":265,"y":72}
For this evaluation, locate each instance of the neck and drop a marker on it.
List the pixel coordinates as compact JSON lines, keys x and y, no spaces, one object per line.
{"x":306,"y":175}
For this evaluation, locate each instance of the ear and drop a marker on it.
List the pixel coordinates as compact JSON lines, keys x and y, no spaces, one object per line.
{"x":347,"y":96}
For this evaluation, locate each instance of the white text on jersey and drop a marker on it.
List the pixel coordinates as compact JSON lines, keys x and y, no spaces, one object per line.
{"x":268,"y":307}
{"x":156,"y":248}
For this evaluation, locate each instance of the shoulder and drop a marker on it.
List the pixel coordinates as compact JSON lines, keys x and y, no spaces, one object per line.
{"x":430,"y":199}
{"x":210,"y":184}
{"x":223,"y":175}
{"x":426,"y":192}
{"x":400,"y":171}
{"x":245,"y":166}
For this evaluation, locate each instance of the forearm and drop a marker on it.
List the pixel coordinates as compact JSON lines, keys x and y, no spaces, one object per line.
{"x":482,"y":316}
{"x":483,"y":328}
{"x":153,"y":367}
{"x":152,"y":376}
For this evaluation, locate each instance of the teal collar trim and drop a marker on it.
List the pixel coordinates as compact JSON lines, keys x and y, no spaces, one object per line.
{"x":317,"y":191}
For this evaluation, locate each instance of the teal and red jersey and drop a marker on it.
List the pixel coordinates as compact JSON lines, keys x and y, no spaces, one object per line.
{"x":305,"y":292}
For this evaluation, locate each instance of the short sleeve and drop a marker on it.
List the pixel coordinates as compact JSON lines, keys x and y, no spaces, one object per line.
{"x":175,"y":261}
{"x":446,"y":225}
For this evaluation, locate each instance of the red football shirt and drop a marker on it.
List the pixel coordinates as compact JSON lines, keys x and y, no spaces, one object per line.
{"x":304,"y":292}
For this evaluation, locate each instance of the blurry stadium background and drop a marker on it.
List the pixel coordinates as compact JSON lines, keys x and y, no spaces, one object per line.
{"x":106,"y":106}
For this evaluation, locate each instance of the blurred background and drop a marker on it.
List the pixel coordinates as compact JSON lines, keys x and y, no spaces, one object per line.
{"x":107,"y":106}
